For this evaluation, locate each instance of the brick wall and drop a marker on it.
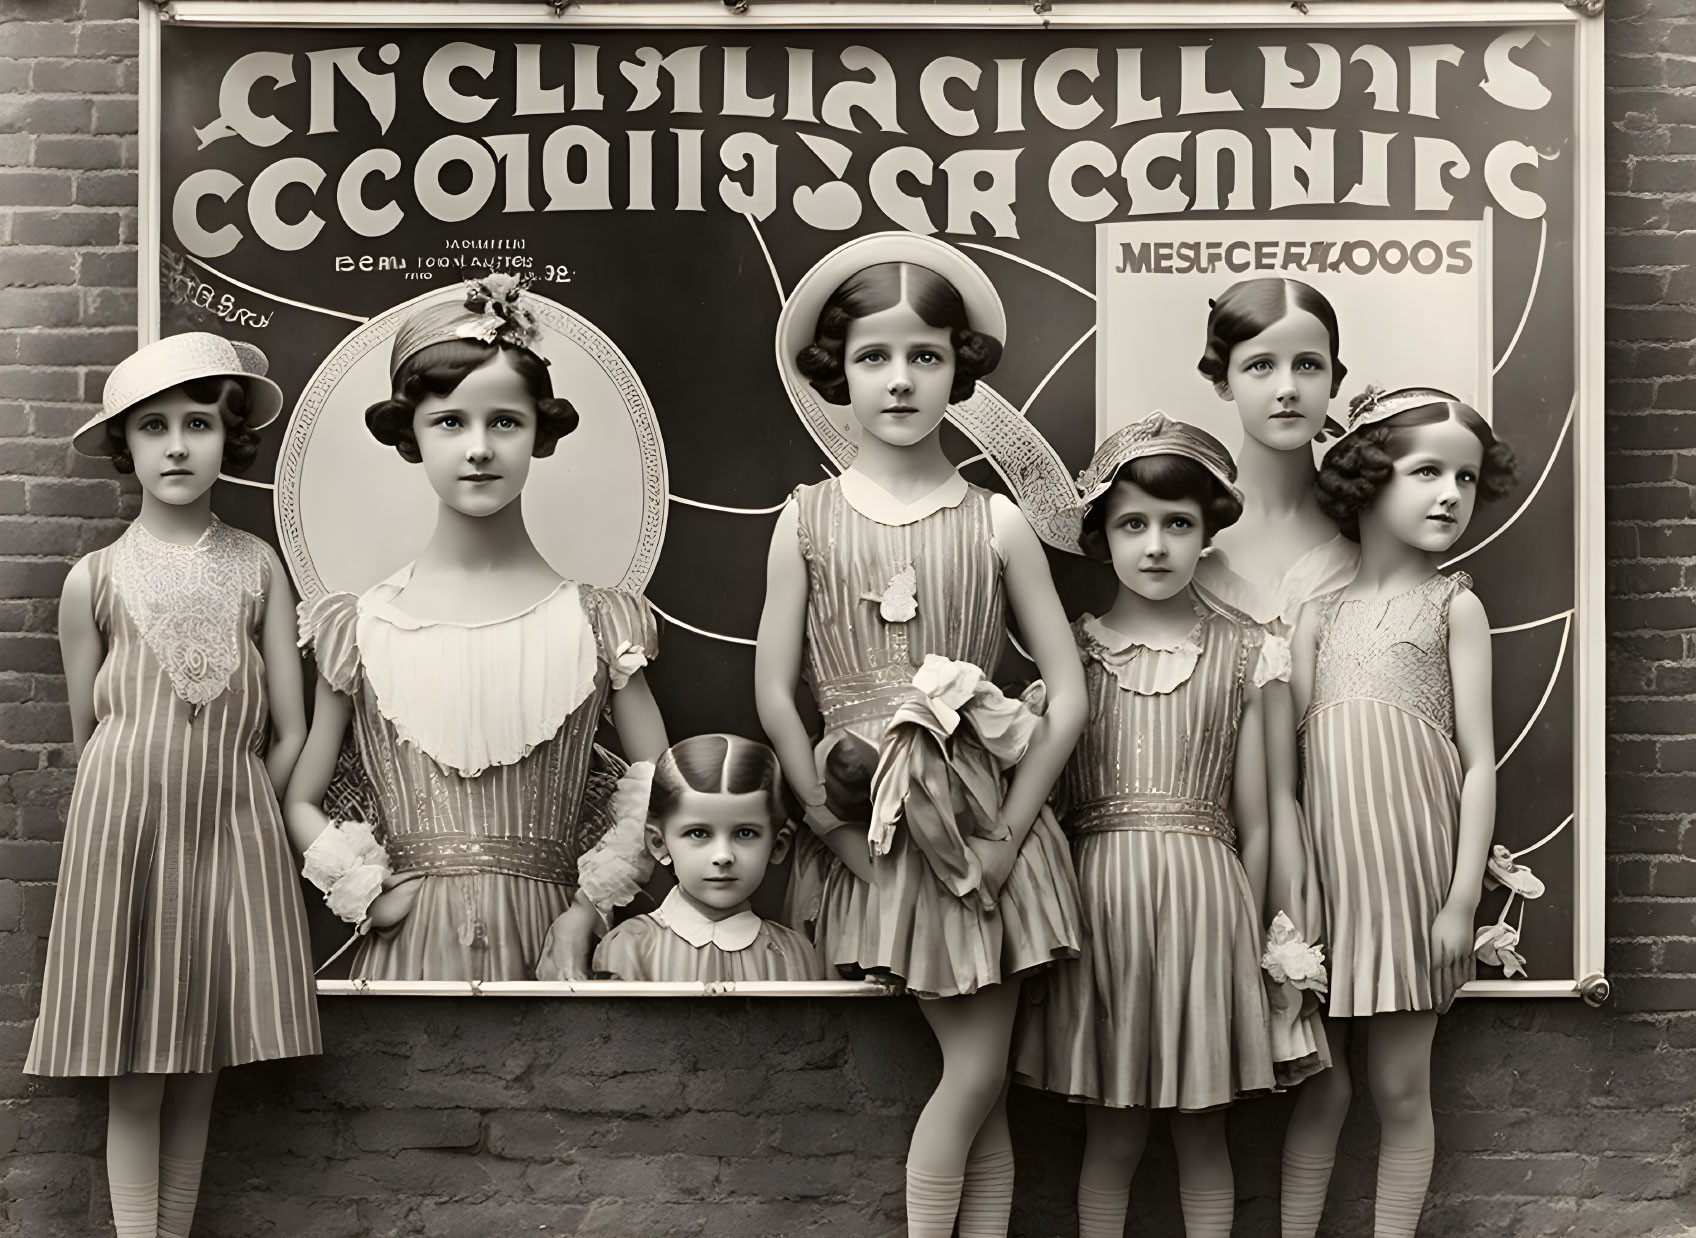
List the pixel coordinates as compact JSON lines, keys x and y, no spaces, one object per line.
{"x":748,"y":1118}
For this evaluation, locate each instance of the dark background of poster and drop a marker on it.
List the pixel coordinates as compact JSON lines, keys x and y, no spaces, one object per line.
{"x":689,"y":299}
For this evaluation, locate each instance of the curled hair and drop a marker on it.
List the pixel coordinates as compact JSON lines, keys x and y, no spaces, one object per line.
{"x":1170,"y":477}
{"x":716,"y":765}
{"x":1359,"y":466}
{"x":220,"y":392}
{"x":884,"y":286}
{"x":1250,"y":306}
{"x":437,"y":370}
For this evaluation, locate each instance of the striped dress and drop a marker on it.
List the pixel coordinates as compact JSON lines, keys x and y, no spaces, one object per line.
{"x":179,"y":935}
{"x":1166,"y":1009}
{"x":498,"y":827}
{"x":1382,"y":784}
{"x":859,"y":665}
{"x":678,"y":943}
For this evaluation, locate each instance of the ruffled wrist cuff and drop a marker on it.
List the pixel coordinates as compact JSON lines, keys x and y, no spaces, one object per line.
{"x":610,"y":872}
{"x":626,"y":661}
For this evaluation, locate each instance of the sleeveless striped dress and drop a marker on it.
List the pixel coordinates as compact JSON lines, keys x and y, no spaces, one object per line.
{"x":859,"y":665}
{"x":1166,"y":1009}
{"x":1382,"y":784}
{"x":179,"y":935}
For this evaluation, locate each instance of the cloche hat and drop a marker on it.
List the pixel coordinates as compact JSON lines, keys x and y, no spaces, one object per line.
{"x":1155,"y":435}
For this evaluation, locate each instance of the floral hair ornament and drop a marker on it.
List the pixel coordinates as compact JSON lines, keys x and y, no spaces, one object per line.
{"x":494,"y":310}
{"x":1155,"y":435}
{"x":1374,"y":405}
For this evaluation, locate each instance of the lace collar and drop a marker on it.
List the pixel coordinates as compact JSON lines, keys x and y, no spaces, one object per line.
{"x":732,"y":933}
{"x":1322,"y":569}
{"x":188,"y":601}
{"x":471,"y":696}
{"x":875,"y":503}
{"x":1147,"y":670}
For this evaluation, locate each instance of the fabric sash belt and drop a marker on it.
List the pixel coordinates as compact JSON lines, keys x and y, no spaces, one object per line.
{"x":1159,"y":813}
{"x":543,"y":859}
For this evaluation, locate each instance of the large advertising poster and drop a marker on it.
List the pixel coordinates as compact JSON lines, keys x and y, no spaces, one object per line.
{"x":667,"y":186}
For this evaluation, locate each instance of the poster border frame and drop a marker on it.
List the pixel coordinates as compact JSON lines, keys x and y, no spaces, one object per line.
{"x":1589,"y":821}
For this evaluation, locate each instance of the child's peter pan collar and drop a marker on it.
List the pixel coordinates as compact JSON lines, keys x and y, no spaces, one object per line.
{"x":733,"y":933}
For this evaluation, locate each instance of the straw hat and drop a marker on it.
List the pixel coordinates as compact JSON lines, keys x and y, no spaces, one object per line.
{"x":175,"y":360}
{"x":798,"y":323}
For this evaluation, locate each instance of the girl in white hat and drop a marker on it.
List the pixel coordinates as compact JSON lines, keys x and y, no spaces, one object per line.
{"x":178,"y":944}
{"x":894,"y":580}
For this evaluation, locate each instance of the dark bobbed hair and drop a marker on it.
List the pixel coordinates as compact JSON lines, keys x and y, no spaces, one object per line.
{"x":1357,"y":468}
{"x":1247,"y":308}
{"x":220,"y":392}
{"x":1168,"y":477}
{"x":716,"y":765}
{"x":884,"y":286}
{"x":438,"y":369}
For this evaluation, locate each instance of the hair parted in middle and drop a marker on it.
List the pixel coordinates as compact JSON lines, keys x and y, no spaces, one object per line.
{"x":1166,"y":476}
{"x":220,"y":392}
{"x":716,"y":764}
{"x":883,"y":286}
{"x":1355,"y":469}
{"x":1247,"y":308}
{"x":438,"y":369}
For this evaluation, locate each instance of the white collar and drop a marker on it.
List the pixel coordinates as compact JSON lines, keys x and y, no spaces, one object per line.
{"x":875,"y":503}
{"x":733,"y":933}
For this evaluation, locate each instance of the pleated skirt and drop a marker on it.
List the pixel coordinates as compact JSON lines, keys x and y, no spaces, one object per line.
{"x":1383,"y":796}
{"x":474,"y":926}
{"x":908,"y":925}
{"x":1166,"y":1009}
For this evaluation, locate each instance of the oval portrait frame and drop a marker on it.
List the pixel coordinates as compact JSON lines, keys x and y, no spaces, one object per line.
{"x":563,"y":330}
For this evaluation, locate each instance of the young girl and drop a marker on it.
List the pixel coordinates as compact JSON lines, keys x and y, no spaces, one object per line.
{"x":870,"y":572}
{"x":1392,"y":678}
{"x":475,"y":677}
{"x":178,"y":944}
{"x":1166,"y":1010}
{"x":713,"y":812}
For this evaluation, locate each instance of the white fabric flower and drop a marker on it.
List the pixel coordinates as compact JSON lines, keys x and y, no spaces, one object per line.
{"x":1496,"y":945}
{"x":899,"y":601}
{"x":352,"y":895}
{"x":1274,"y":664}
{"x":1290,"y":960}
{"x":627,"y":659}
{"x":1503,"y":870}
{"x":947,"y":685}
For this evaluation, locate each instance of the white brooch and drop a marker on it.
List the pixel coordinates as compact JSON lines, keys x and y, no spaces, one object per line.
{"x":899,"y":601}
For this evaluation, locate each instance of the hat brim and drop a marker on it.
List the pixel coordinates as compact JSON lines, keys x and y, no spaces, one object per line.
{"x":797,"y":322}
{"x":264,"y":403}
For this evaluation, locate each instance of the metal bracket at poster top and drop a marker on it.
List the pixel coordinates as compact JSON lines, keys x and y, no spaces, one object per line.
{"x":1587,"y":631}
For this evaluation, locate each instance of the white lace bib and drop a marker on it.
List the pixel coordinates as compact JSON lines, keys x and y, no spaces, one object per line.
{"x":188,"y":602}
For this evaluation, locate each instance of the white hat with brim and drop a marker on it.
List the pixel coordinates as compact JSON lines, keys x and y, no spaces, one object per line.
{"x":798,"y":323}
{"x":175,"y":360}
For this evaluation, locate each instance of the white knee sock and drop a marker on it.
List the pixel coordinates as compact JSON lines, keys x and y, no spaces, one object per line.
{"x":932,"y":1202}
{"x":1207,"y":1214}
{"x":1307,"y":1178}
{"x":986,"y":1200}
{"x":179,"y":1188}
{"x":1403,"y":1175}
{"x":135,"y":1209}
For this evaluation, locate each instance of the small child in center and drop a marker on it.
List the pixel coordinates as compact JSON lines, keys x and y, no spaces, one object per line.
{"x":1165,"y":800}
{"x":714,"y":815}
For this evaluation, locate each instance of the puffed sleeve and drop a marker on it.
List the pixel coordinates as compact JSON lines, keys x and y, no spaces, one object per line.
{"x":329,"y":626}
{"x":626,"y":635}
{"x":611,"y":872}
{"x":621,"y":956}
